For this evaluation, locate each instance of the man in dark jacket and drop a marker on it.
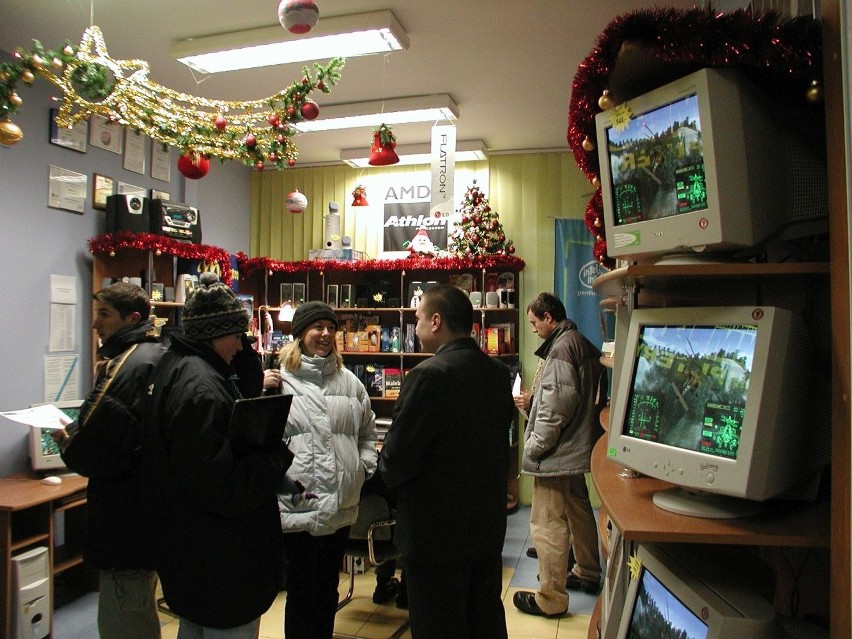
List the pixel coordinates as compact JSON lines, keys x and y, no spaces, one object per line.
{"x":447,"y":454}
{"x":104,"y":444}
{"x":214,"y":513}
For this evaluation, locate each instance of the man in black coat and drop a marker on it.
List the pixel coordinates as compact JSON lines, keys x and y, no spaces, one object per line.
{"x":447,"y":455}
{"x":104,"y":445}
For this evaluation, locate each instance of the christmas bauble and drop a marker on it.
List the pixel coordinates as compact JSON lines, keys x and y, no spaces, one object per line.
{"x":10,"y":133}
{"x":298,"y":16}
{"x":310,"y":110}
{"x":250,"y":141}
{"x":193,"y":166}
{"x":605,"y":102}
{"x":220,"y":123}
{"x":296,"y":202}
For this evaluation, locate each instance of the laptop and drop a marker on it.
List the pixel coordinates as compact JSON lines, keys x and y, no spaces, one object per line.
{"x":257,"y":424}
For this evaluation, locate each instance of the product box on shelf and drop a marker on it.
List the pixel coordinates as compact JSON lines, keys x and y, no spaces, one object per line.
{"x":393,"y":381}
{"x":494,"y":340}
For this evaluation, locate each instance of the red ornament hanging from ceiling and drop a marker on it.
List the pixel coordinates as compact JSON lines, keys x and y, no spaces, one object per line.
{"x":193,"y":166}
{"x":382,"y":150}
{"x":359,"y":196}
{"x":298,"y":16}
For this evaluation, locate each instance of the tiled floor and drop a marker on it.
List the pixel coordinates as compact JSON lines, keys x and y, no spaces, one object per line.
{"x":362,"y":618}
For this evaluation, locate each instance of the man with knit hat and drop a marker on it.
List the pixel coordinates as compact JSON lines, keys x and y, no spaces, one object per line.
{"x":214,"y":515}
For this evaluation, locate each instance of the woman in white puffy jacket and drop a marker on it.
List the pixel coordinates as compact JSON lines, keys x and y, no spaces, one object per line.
{"x":331,"y":431}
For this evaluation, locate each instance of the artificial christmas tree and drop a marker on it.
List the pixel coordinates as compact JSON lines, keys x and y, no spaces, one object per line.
{"x":479,"y":231}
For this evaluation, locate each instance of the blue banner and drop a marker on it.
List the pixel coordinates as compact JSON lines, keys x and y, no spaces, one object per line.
{"x":575,"y":270}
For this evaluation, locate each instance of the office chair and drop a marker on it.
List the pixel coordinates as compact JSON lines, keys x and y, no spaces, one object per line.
{"x":370,"y":539}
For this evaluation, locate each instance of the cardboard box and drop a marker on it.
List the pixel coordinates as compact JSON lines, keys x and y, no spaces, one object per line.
{"x":374,"y":338}
{"x":393,"y":381}
{"x":494,"y":340}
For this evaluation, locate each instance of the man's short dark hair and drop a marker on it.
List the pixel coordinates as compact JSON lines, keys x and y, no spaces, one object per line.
{"x":452,"y":305}
{"x":547,"y":303}
{"x":126,"y":298}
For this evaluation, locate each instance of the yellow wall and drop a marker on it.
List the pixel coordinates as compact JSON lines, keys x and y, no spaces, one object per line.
{"x":528,"y":192}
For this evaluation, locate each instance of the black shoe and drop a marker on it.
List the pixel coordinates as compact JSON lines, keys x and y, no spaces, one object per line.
{"x":524,"y":601}
{"x":586,"y":585}
{"x":386,"y":591}
{"x":402,"y":597}
{"x":531,"y":553}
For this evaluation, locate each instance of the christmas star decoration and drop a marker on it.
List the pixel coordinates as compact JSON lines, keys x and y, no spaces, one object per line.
{"x":634,"y":564}
{"x":256,"y":132}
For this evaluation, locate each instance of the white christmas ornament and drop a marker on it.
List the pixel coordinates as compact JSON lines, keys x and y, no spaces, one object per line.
{"x":296,"y":202}
{"x":298,"y":16}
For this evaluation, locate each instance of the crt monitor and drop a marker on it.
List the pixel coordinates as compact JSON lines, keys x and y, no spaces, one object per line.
{"x":714,"y":400}
{"x":695,"y":592}
{"x":702,"y":166}
{"x":44,"y":453}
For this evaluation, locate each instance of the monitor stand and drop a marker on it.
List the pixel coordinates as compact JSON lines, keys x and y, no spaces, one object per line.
{"x":709,"y":505}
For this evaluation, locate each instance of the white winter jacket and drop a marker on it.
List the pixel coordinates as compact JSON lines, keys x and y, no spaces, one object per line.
{"x":331,"y":431}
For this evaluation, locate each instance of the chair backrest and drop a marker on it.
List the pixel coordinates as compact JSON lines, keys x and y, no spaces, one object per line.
{"x":371,"y":508}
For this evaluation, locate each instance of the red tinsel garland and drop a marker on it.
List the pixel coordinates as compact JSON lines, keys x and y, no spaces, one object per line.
{"x":249,"y":265}
{"x":111,"y":243}
{"x":782,"y":55}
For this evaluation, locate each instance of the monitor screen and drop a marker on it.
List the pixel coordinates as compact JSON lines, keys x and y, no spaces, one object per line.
{"x":696,"y":403}
{"x":44,"y":452}
{"x":706,"y":168}
{"x":697,"y":592}
{"x":658,"y":613}
{"x":657,"y":163}
{"x":690,"y":386}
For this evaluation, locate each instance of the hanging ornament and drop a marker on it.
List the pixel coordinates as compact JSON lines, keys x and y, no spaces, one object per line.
{"x":296,"y":202}
{"x":814,"y":92}
{"x":298,"y":16}
{"x":193,"y":166}
{"x":359,"y":196}
{"x":309,"y":110}
{"x":10,"y":133}
{"x":605,"y":102}
{"x":382,"y":150}
{"x":588,"y":145}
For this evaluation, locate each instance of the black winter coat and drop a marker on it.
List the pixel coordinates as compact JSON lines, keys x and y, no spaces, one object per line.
{"x":447,"y":455}
{"x":214,"y":516}
{"x":106,"y":447}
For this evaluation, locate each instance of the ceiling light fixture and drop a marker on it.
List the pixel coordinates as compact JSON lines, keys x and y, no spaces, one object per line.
{"x":466,"y":151}
{"x":339,"y":36}
{"x":423,"y":108}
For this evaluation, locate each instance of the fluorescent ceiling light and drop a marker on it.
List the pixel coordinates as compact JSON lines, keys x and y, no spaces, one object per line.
{"x":424,"y":108}
{"x":466,"y":151}
{"x":339,"y":36}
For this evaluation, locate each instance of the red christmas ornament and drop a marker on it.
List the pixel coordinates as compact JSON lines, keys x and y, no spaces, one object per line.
{"x":250,"y":140}
{"x":382,"y":154}
{"x":273,"y":120}
{"x":359,"y":196}
{"x":193,"y":166}
{"x":310,"y":110}
{"x":220,"y":123}
{"x":298,"y":16}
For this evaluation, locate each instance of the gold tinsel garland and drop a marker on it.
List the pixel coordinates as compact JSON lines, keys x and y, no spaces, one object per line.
{"x":256,"y":132}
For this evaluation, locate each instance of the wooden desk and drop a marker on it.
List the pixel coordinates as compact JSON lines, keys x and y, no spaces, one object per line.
{"x":27,"y":509}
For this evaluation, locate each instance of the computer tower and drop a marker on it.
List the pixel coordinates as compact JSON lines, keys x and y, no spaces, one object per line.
{"x":31,"y":607}
{"x":125,"y":212}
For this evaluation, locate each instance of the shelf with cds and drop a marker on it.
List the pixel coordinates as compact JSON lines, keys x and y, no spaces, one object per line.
{"x":375,"y":302}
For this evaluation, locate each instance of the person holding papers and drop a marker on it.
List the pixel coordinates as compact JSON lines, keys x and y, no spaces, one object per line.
{"x":331,"y":430}
{"x":214,"y":513}
{"x":104,"y":445}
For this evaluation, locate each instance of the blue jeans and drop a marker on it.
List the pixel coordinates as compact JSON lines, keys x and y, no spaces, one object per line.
{"x":190,"y":630}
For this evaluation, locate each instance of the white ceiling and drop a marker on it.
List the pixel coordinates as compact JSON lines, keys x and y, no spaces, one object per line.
{"x":508,"y":65}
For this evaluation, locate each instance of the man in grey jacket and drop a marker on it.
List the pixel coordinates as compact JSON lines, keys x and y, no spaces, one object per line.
{"x":564,"y":404}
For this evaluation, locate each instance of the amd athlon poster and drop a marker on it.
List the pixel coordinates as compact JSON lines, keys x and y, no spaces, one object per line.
{"x":409,"y":227}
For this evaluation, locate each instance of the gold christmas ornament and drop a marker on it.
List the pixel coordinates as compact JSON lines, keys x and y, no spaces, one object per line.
{"x":588,"y":145}
{"x":10,"y":133}
{"x":814,"y":92}
{"x":605,"y":102}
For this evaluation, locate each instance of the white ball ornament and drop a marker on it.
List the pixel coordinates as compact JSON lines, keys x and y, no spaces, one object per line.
{"x":298,"y":16}
{"x":296,"y":202}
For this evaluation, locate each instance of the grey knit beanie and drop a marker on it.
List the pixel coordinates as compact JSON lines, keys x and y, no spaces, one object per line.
{"x":212,"y":310}
{"x":310,"y":312}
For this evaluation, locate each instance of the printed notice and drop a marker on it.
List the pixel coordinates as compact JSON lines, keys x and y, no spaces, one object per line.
{"x":60,"y":377}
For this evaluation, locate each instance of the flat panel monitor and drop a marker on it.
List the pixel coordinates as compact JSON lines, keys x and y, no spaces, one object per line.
{"x":44,"y":453}
{"x":702,"y":167}
{"x":691,"y":592}
{"x":714,"y":401}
